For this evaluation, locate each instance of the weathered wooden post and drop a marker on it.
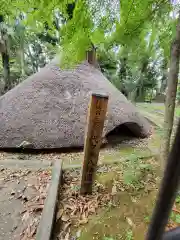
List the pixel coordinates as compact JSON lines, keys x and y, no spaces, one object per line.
{"x":95,"y":124}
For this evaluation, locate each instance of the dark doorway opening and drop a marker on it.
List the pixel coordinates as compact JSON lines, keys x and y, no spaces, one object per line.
{"x":123,"y":132}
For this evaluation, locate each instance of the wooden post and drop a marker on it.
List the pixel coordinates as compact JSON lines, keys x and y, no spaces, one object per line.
{"x":95,"y":124}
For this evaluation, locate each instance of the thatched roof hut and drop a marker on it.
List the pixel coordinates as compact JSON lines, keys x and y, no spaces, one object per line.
{"x":49,"y":108}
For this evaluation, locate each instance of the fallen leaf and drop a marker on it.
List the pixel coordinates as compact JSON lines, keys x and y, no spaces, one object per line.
{"x":13,"y":192}
{"x":66,"y":226}
{"x":83,"y":221}
{"x":74,"y":212}
{"x":133,"y":200}
{"x":33,"y":231}
{"x":65,"y":218}
{"x":20,"y":196}
{"x":37,"y":207}
{"x":68,"y":206}
{"x":59,"y":213}
{"x":25,"y":216}
{"x":25,"y":199}
{"x":114,"y":190}
{"x":78,"y":233}
{"x":67,"y":236}
{"x":130,"y":222}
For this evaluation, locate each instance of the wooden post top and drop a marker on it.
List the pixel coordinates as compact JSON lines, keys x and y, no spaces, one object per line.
{"x":100,"y":95}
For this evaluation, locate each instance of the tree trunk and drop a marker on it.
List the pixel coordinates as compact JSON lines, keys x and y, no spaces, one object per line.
{"x":91,"y":56}
{"x":5,"y":56}
{"x":22,"y":58}
{"x":22,"y":63}
{"x":164,"y":77}
{"x":6,"y":70}
{"x":33,"y":62}
{"x":171,"y":93}
{"x":132,"y":96}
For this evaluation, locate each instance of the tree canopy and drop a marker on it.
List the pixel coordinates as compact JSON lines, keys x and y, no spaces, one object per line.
{"x":133,"y":36}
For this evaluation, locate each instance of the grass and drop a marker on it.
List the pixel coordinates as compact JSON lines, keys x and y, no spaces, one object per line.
{"x":127,"y":215}
{"x":154,"y":107}
{"x":127,"y":218}
{"x":124,"y":217}
{"x":177,"y":111}
{"x":134,"y":180}
{"x":109,"y":156}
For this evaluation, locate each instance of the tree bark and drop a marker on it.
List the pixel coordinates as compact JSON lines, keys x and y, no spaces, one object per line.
{"x":5,"y":57}
{"x":6,"y":70}
{"x":164,"y":77}
{"x":171,"y":93}
{"x":33,"y":62}
{"x":91,"y":56}
{"x":22,"y":62}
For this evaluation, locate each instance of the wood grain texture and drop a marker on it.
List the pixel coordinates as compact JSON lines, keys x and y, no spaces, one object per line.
{"x":95,"y":123}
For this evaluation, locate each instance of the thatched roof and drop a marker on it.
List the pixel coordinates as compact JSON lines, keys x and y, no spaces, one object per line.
{"x":49,"y":108}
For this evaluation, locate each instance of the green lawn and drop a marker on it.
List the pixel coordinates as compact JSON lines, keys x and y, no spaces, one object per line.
{"x":157,"y":107}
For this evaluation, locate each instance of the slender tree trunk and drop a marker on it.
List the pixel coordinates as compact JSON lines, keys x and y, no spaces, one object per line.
{"x":5,"y":56}
{"x":140,"y":95}
{"x":164,"y":78}
{"x":22,"y":63}
{"x":33,"y":62}
{"x":22,"y":58}
{"x":91,"y":56}
{"x":6,"y":70}
{"x":171,"y":93}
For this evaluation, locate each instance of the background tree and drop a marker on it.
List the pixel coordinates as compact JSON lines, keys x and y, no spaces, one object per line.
{"x":5,"y":52}
{"x":171,"y":90}
{"x":131,"y":35}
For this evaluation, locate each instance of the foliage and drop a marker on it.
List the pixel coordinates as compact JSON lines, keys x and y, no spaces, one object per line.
{"x":175,"y":217}
{"x":134,"y":172}
{"x":177,"y":199}
{"x":108,"y":63}
{"x":132,"y":38}
{"x":129,"y":235}
{"x":91,"y":20}
{"x":178,"y":93}
{"x":27,"y":52}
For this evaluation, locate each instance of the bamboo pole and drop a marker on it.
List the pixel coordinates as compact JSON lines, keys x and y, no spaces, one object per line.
{"x":95,"y":123}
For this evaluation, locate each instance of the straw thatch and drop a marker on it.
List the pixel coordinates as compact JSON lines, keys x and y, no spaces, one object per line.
{"x":48,"y":110}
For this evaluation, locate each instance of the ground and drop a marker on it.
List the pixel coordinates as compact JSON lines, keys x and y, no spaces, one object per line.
{"x":129,"y":191}
{"x":123,"y":199}
{"x":22,"y":194}
{"x":124,"y":192}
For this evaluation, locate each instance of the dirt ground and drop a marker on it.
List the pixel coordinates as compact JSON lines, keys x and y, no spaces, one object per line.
{"x":22,"y":195}
{"x":123,"y":197}
{"x":120,"y":207}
